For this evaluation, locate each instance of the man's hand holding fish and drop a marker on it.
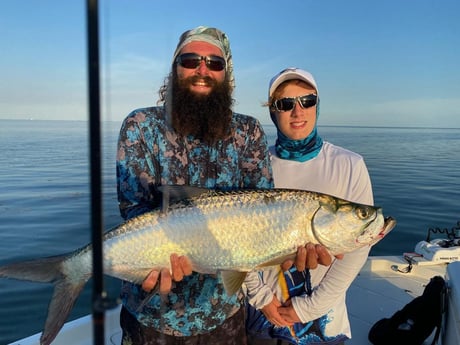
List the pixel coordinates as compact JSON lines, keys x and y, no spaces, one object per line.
{"x":180,"y":267}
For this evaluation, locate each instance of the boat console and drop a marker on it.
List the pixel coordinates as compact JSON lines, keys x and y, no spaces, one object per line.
{"x":440,"y":250}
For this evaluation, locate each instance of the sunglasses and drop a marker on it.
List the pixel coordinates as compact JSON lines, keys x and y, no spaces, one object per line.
{"x":192,"y":61}
{"x":288,"y":103}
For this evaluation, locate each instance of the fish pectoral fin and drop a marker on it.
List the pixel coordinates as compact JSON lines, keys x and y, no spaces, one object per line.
{"x":278,"y":261}
{"x":233,"y":281}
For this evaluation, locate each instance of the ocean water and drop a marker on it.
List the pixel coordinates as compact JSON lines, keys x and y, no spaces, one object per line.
{"x":45,"y":197}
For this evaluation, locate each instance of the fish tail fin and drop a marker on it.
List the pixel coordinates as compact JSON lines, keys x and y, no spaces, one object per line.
{"x":66,"y":290}
{"x":64,"y":296}
{"x":44,"y":270}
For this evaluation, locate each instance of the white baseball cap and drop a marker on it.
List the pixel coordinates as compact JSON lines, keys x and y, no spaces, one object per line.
{"x":289,"y":74}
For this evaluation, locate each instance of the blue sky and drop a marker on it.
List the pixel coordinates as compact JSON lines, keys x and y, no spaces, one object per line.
{"x":377,"y":63}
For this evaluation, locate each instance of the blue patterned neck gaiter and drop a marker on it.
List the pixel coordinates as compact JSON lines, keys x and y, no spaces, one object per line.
{"x":299,"y":150}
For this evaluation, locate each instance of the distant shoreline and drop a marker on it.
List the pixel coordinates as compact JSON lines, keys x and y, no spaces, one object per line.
{"x":263,"y":124}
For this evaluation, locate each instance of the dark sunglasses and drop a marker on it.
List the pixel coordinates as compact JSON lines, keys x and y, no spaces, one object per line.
{"x":288,"y":103}
{"x":192,"y":61}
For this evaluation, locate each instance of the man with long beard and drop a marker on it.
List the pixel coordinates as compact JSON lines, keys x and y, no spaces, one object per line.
{"x":193,"y":138}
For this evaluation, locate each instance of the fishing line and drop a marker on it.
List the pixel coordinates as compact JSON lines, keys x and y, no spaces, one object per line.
{"x":107,"y":76}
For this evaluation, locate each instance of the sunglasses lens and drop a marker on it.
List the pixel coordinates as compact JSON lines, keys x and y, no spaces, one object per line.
{"x":285,"y":104}
{"x":215,"y":63}
{"x":308,"y":101}
{"x":192,"y":61}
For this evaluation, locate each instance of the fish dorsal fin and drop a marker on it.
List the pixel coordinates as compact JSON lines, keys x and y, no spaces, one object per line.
{"x":233,"y":281}
{"x":174,"y":193}
{"x":164,"y":199}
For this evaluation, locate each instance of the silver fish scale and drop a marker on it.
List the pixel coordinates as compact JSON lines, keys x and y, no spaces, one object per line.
{"x":217,"y":231}
{"x":239,"y":231}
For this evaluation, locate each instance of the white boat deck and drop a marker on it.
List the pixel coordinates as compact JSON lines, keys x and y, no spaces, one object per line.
{"x":80,"y":332}
{"x":378,"y":292}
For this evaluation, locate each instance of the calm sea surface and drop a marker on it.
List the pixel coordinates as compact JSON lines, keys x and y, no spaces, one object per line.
{"x":44,"y":197}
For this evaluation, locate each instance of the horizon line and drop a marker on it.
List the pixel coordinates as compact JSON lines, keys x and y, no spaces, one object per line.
{"x":263,"y":124}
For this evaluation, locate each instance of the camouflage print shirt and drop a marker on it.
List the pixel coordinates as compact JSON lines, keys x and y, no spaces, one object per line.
{"x":150,"y":154}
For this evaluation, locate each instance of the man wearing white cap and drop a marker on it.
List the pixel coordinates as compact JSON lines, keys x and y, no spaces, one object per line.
{"x":306,"y":307}
{"x":193,"y":138}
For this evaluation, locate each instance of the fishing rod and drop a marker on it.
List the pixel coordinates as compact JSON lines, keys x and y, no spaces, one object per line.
{"x":99,"y":297}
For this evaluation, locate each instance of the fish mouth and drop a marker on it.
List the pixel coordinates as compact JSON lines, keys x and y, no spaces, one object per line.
{"x":388,"y":225}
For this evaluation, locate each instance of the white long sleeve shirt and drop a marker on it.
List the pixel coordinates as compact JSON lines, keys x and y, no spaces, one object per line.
{"x":341,"y":173}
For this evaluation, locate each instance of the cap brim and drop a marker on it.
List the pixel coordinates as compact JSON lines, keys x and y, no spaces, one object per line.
{"x":291,"y":74}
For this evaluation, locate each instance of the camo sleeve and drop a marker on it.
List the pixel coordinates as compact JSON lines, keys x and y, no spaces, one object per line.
{"x":255,"y":164}
{"x":150,"y":153}
{"x":136,"y":169}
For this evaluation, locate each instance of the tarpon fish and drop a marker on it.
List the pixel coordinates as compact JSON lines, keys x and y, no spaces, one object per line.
{"x":230,"y":233}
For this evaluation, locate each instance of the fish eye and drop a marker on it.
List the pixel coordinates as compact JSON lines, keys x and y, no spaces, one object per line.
{"x":363,"y":212}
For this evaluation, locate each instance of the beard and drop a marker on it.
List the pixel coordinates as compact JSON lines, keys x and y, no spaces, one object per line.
{"x":206,"y":117}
